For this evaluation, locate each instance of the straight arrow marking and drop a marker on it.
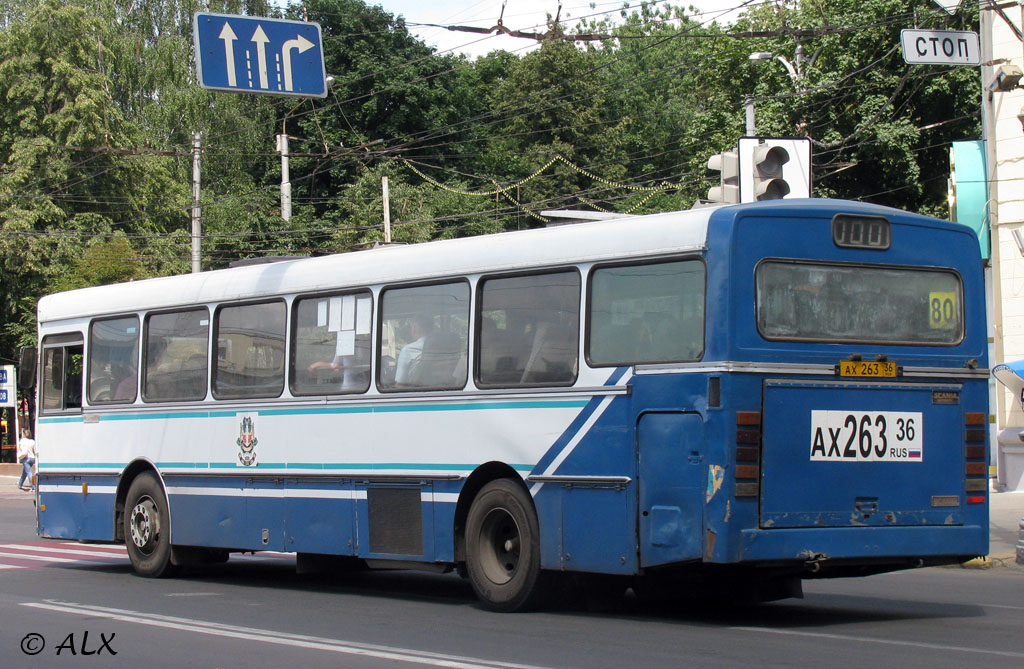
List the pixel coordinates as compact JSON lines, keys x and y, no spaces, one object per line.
{"x":261,"y":39}
{"x":229,"y":37}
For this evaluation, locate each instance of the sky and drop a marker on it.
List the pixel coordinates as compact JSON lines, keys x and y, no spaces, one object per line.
{"x":526,"y":15}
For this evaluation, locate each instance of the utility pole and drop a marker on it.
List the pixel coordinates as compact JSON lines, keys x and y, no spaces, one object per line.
{"x":197,"y":226}
{"x":286,"y":183}
{"x":387,"y":209}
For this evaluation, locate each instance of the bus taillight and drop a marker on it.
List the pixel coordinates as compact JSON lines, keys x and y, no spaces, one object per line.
{"x":975,"y":466}
{"x":748,"y":452}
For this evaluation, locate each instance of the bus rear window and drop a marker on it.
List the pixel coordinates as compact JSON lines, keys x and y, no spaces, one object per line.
{"x":847,"y":303}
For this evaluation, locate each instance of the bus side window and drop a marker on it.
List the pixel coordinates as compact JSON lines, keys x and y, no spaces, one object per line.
{"x":424,"y":337}
{"x":529,"y":330}
{"x":250,"y":350}
{"x":331,"y":344}
{"x":61,"y":378}
{"x":114,"y":360}
{"x":646,"y":313}
{"x":175,"y":364}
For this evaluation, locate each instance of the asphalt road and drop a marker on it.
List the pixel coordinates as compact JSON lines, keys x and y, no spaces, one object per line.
{"x":79,"y":605}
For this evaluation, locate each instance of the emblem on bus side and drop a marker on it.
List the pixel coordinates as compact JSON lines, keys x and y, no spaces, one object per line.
{"x":247,"y":442}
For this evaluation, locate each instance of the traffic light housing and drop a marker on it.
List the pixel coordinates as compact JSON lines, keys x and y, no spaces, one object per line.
{"x":766,"y":169}
{"x":774,"y":167}
{"x":727,"y":164}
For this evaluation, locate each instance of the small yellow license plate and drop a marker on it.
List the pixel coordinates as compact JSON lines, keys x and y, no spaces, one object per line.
{"x":870,"y":368}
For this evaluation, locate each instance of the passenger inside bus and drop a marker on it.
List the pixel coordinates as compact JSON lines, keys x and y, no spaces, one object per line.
{"x":409,"y":356}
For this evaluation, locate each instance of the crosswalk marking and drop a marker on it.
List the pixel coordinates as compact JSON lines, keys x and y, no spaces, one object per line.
{"x":94,"y":552}
{"x":35,"y":555}
{"x":54,"y":554}
{"x":41,"y":558}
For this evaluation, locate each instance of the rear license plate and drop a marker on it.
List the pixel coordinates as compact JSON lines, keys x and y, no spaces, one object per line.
{"x":866,"y":436}
{"x":869,"y":368}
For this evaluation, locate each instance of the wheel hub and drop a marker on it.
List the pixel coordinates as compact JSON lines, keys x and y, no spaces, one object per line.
{"x":144,"y":524}
{"x":499,"y":540}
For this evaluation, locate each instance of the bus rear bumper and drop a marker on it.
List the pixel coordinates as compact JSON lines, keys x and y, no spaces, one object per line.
{"x":933,"y":544}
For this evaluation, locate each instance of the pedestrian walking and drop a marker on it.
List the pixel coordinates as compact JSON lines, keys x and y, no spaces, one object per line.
{"x":27,"y":458}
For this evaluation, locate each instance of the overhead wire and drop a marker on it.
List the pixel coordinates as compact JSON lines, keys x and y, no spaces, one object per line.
{"x":272,"y":186}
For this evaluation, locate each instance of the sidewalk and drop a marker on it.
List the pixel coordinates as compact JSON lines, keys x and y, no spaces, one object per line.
{"x":1006,"y":510}
{"x":9,"y":475}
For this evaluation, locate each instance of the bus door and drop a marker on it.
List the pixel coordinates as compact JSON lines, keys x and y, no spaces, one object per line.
{"x":861,"y":453}
{"x":672,"y":474}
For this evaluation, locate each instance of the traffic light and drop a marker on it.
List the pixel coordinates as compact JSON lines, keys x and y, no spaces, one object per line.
{"x":772,"y":168}
{"x":727,"y":164}
{"x":766,"y":164}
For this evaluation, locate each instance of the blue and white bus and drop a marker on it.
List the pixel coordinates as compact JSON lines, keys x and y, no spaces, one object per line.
{"x":776,"y":391}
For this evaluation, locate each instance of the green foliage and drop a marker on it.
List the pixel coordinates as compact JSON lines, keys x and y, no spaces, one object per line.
{"x":880,"y":128}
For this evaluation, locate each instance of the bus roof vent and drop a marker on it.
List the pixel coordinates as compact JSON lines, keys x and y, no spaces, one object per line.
{"x":263,"y":260}
{"x":568,"y":216}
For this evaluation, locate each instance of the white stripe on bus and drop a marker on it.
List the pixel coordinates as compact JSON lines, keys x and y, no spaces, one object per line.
{"x":578,"y":437}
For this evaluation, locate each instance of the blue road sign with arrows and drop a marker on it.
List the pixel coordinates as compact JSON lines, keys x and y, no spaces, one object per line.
{"x":247,"y":54}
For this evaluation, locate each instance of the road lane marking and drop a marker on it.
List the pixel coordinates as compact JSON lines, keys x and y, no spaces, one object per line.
{"x":1003,"y":606}
{"x":888,"y":642}
{"x":279,"y":638}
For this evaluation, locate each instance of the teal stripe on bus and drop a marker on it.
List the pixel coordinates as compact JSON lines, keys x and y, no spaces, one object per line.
{"x":331,"y":466}
{"x":305,"y":411}
{"x":62,"y":419}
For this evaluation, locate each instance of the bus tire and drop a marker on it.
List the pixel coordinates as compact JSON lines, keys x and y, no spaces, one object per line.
{"x":147,"y":527}
{"x":503,"y":548}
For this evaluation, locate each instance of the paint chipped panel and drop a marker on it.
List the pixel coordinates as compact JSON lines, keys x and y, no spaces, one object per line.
{"x":709,"y":545}
{"x":716,"y":474}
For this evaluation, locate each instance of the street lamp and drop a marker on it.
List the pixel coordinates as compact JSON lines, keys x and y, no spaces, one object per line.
{"x":796,"y":74}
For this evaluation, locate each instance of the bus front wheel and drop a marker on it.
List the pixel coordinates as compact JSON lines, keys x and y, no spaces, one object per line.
{"x":147,"y":527}
{"x":503,"y":548}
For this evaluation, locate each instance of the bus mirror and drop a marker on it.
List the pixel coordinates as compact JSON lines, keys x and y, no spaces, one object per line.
{"x":26,"y":367}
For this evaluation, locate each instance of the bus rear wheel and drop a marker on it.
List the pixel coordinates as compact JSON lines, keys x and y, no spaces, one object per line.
{"x":503,"y":548}
{"x":147,"y":527}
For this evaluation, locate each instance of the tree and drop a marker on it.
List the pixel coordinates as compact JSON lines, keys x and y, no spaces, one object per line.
{"x":880,"y":128}
{"x":62,"y":181}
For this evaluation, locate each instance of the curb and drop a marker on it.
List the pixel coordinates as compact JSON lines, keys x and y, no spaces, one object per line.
{"x":991,"y":562}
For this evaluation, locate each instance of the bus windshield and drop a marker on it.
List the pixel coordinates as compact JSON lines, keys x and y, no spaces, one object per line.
{"x":850,"y":303}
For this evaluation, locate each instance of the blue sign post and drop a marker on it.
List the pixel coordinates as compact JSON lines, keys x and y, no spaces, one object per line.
{"x":244,"y":54}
